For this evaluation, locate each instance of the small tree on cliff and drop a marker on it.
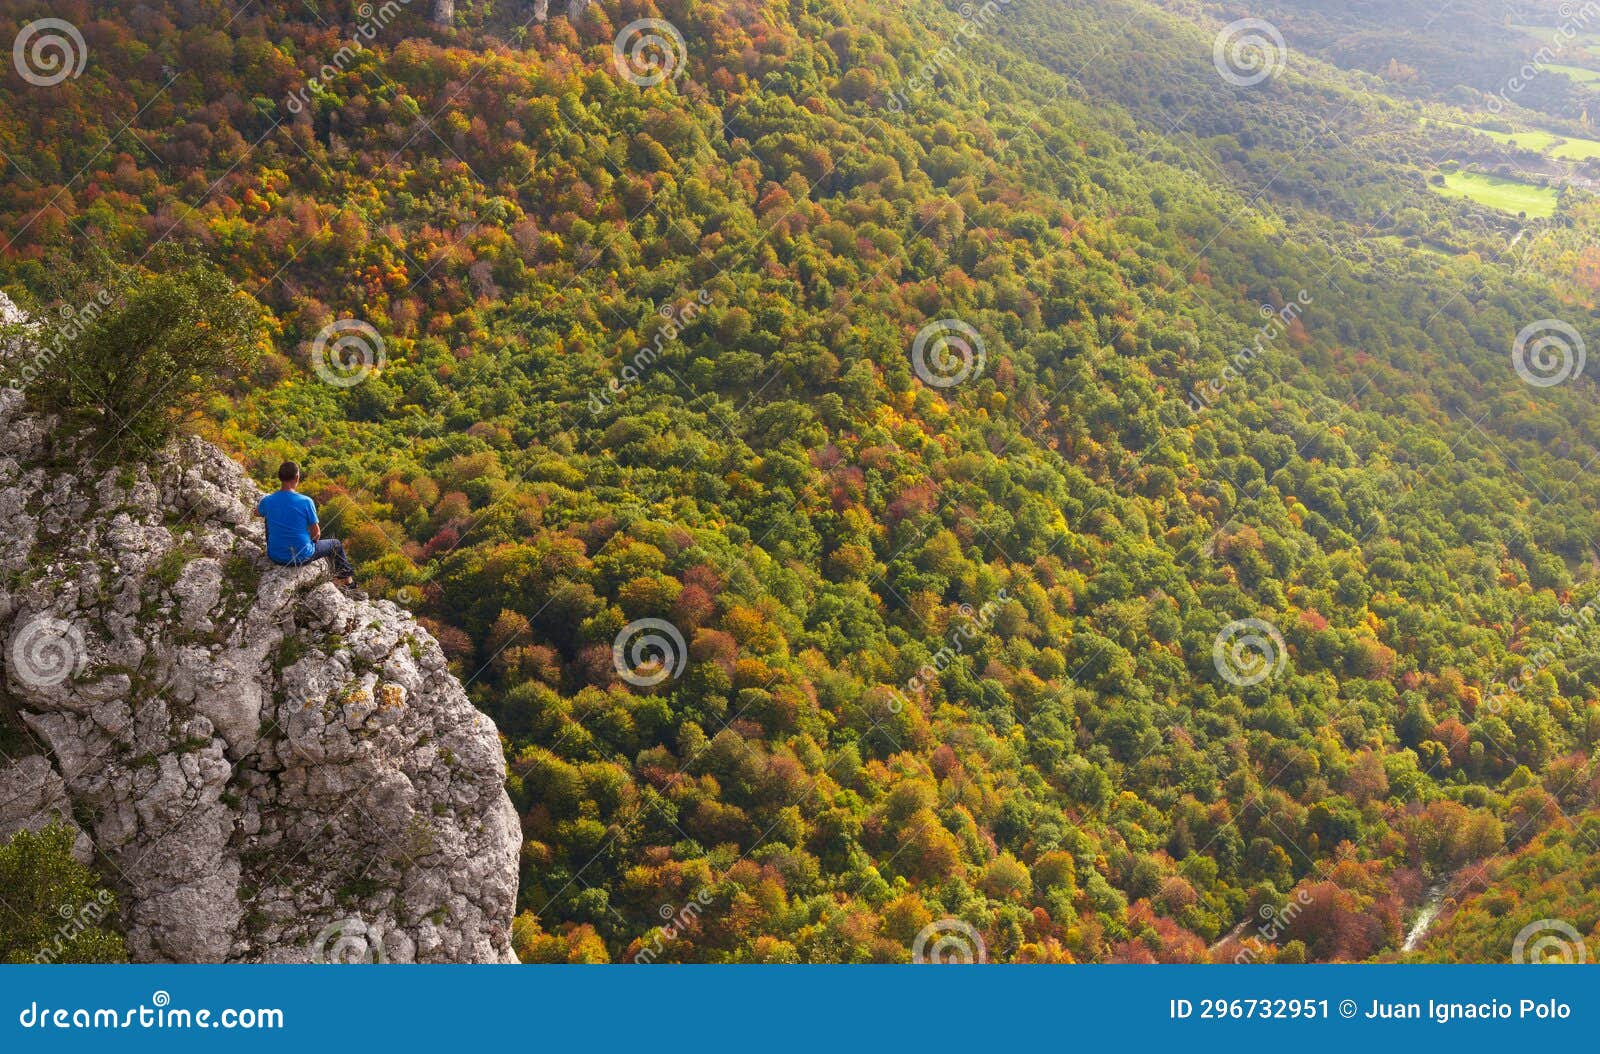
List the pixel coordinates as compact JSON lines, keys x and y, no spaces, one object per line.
{"x":127,"y":350}
{"x":55,"y":910}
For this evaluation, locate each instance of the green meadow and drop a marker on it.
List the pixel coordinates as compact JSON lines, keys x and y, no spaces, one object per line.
{"x":1578,"y":74}
{"x":1499,"y":193}
{"x":1551,"y":144}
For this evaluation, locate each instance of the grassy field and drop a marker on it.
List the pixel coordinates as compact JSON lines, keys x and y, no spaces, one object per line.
{"x":1575,"y":149}
{"x":1549,"y":143}
{"x":1578,"y":74}
{"x":1499,"y":193}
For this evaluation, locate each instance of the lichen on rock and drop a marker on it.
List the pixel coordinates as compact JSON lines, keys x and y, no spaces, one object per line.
{"x":265,"y":765}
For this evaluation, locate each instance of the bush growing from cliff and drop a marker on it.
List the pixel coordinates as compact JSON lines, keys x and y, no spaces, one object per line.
{"x":126,"y":350}
{"x":54,"y":908}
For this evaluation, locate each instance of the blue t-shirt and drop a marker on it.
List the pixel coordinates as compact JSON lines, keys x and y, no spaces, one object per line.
{"x":289,"y":515}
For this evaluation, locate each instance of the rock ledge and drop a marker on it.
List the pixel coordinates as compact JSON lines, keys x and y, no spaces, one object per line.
{"x":263,"y":767}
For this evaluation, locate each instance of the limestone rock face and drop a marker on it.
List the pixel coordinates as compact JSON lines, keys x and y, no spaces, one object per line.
{"x":268,"y":768}
{"x":32,"y":796}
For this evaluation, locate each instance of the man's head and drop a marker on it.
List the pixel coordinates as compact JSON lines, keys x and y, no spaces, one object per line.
{"x":288,"y":474}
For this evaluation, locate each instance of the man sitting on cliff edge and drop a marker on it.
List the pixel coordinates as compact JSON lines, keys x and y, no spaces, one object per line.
{"x":294,"y":537}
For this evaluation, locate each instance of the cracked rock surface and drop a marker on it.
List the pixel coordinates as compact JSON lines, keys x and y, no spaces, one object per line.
{"x":263,"y":767}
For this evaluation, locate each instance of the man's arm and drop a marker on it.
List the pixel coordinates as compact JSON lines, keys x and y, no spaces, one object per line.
{"x":314,"y":527}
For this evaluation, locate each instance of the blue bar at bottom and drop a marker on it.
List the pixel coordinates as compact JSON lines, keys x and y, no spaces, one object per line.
{"x":695,"y":1008}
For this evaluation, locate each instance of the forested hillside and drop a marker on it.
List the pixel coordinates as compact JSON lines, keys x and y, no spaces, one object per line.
{"x":1421,"y":49}
{"x":899,"y":463}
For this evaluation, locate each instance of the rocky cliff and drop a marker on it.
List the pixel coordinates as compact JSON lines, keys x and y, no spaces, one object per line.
{"x":443,"y":12}
{"x":265,"y":768}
